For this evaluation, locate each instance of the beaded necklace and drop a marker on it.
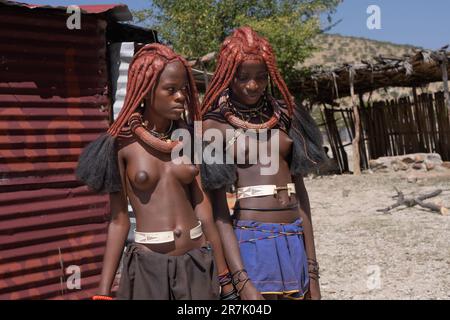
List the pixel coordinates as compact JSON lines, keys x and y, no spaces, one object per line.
{"x":160,"y":135}
{"x":154,"y":139}
{"x":230,"y":109}
{"x":246,"y":114}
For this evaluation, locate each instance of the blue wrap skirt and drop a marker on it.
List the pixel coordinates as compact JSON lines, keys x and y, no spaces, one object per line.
{"x":274,"y":256}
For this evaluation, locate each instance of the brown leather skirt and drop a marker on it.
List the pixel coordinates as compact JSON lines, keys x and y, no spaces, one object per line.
{"x":148,"y":275}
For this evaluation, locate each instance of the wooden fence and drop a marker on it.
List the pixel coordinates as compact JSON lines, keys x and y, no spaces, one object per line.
{"x":395,"y":127}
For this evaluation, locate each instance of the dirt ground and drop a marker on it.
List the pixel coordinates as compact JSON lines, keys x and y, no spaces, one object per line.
{"x":365,"y":254}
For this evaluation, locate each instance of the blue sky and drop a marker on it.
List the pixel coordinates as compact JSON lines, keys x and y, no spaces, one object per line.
{"x":423,"y":23}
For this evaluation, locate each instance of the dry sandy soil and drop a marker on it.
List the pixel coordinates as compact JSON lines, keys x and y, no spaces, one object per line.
{"x":365,"y":254}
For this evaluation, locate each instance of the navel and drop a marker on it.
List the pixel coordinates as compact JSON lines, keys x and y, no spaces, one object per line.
{"x":177,"y":232}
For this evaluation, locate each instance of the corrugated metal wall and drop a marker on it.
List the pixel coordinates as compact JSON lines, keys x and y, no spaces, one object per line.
{"x":53,"y":90}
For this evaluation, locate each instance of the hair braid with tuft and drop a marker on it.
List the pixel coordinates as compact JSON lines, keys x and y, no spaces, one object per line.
{"x":243,"y":44}
{"x":98,"y":163}
{"x":143,"y":75}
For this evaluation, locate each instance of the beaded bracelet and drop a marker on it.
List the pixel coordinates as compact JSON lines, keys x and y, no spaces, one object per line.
{"x":242,"y":288}
{"x":313,"y":269}
{"x":313,"y":264}
{"x":232,"y":295}
{"x":238,"y":273}
{"x":101,"y":297}
{"x":236,"y":282}
{"x":225,"y":278}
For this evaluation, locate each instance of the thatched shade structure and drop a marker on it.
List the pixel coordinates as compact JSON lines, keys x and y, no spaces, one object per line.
{"x":322,"y":85}
{"x":327,"y":85}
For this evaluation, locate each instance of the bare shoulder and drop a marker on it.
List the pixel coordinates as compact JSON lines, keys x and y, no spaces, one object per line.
{"x":124,"y":145}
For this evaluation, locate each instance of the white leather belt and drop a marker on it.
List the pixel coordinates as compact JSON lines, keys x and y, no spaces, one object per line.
{"x":164,"y":236}
{"x":263,"y":190}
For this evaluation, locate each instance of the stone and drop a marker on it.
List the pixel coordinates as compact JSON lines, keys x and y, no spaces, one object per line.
{"x":399,"y":165}
{"x":429,"y":165}
{"x":446,"y":164}
{"x":411,"y":179}
{"x":380,"y":165}
{"x":434,"y":158}
{"x":408,"y":160}
{"x":432,"y":161}
{"x":419,"y":158}
{"x":377,"y":165}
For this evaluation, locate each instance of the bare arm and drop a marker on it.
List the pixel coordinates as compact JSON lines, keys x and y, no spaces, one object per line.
{"x":305,"y":214}
{"x":221,"y":213}
{"x":203,"y":210}
{"x":117,"y":234}
{"x":231,"y":248}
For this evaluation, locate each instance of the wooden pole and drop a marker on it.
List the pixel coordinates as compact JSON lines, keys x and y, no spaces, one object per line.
{"x":363,"y":144}
{"x":419,"y":120}
{"x":355,"y":142}
{"x":331,"y":138}
{"x":444,"y":64}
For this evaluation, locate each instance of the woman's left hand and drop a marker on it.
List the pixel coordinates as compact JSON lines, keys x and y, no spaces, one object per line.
{"x":314,"y":290}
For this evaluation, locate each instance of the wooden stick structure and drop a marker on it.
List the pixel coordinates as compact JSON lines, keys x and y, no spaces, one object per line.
{"x":355,"y":142}
{"x":413,"y":201}
{"x":444,"y":66}
{"x":421,"y":67}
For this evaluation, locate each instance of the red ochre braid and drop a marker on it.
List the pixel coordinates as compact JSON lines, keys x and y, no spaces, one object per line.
{"x":243,"y":44}
{"x":143,"y":74}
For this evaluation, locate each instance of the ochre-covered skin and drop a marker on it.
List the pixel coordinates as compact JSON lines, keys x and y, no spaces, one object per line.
{"x":244,"y":45}
{"x":164,"y":196}
{"x":246,"y":64}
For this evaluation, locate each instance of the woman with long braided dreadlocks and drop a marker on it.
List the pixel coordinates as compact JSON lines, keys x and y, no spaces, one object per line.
{"x":170,"y":258}
{"x":269,"y":239}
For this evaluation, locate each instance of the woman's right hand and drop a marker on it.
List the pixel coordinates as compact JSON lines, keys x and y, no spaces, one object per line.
{"x":249,"y":292}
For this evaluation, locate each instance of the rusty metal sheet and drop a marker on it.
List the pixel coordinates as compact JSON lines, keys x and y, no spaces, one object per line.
{"x":118,"y":12}
{"x":54,"y":99}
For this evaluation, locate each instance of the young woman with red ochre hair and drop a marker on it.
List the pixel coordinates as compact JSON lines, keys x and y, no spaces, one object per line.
{"x":170,"y":258}
{"x":268,"y":242}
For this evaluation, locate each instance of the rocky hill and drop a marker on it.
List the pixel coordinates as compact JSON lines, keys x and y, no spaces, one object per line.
{"x":335,"y":49}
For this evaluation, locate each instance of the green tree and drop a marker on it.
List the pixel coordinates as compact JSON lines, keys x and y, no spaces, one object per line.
{"x":197,"y":27}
